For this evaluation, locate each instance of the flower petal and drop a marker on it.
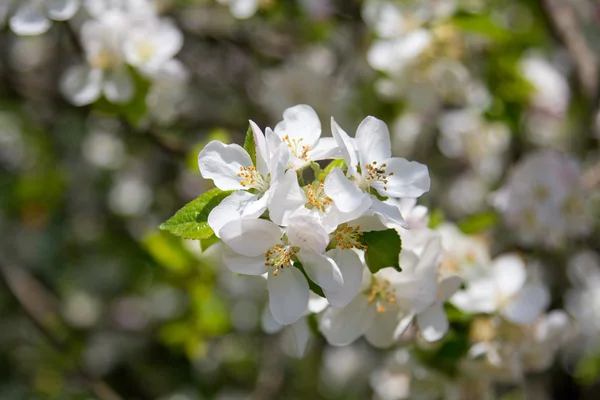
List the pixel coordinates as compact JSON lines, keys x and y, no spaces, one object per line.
{"x":118,"y":86}
{"x":321,"y":269}
{"x":352,"y":272}
{"x":287,"y":198}
{"x":308,"y":234}
{"x":243,"y":9}
{"x":381,"y":331}
{"x":250,"y":237}
{"x":222,"y":162}
{"x":480,"y":297}
{"x":241,"y":264}
{"x":296,"y":337}
{"x":268,"y":323}
{"x":346,"y":146}
{"x":325,"y":149}
{"x":81,"y":85}
{"x":342,"y":326}
{"x":300,"y":123}
{"x":409,"y":179}
{"x":448,"y":286}
{"x":509,"y":273}
{"x":288,"y":295}
{"x":373,"y":141}
{"x":390,"y":214}
{"x":29,"y":19}
{"x":344,"y":193}
{"x":528,"y":304}
{"x":260,"y":145}
{"x":231,"y":207}
{"x":433,"y":323}
{"x":61,"y":10}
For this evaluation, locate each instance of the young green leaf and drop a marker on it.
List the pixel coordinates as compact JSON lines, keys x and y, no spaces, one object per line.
{"x":190,"y":222}
{"x":383,"y":249}
{"x":335,"y":163}
{"x":250,"y":145}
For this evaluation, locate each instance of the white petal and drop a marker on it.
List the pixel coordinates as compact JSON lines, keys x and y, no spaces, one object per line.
{"x":321,"y":269}
{"x":381,"y":331}
{"x":250,"y":237}
{"x":273,"y":143}
{"x":325,"y":149}
{"x":288,"y":295}
{"x":448,"y":286}
{"x":430,"y":257}
{"x":509,"y":273}
{"x":81,"y":85}
{"x":232,"y":207}
{"x":433,"y":323}
{"x":260,"y":144}
{"x":222,"y":162}
{"x":316,"y":303}
{"x":268,"y":323}
{"x":287,"y":198}
{"x":243,"y":9}
{"x":342,"y":326}
{"x":61,"y":10}
{"x":414,"y":293}
{"x":344,"y":193}
{"x":118,"y":86}
{"x":29,"y":19}
{"x":346,"y":145}
{"x":373,"y":141}
{"x":408,"y":261}
{"x":278,"y":162}
{"x":301,"y":123}
{"x":352,"y":272}
{"x":481,"y":296}
{"x":241,"y":264}
{"x":528,"y":304}
{"x":410,"y":179}
{"x":295,"y":338}
{"x":307,"y":233}
{"x":390,"y":214}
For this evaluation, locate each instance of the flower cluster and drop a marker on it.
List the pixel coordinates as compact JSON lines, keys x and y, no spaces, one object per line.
{"x":304,"y":232}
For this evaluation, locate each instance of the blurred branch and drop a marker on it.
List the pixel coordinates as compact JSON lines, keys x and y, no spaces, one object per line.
{"x":38,"y":306}
{"x":569,"y":31}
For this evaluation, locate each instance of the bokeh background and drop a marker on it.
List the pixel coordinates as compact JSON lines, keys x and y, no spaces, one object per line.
{"x":97,"y":302}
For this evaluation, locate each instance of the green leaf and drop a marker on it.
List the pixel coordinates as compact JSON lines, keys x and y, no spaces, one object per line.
{"x":335,"y":163}
{"x":190,"y":222}
{"x":250,"y":145}
{"x":207,"y":242}
{"x":478,"y":222}
{"x":484,"y":26}
{"x":168,"y":251}
{"x":383,"y":250}
{"x":311,"y":285}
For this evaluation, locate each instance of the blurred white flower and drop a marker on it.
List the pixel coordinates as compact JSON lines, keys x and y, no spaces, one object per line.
{"x":34,"y":17}
{"x":543,"y":199}
{"x":504,"y":289}
{"x":241,"y":9}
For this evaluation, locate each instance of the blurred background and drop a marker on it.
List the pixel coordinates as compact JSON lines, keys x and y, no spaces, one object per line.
{"x":97,"y":303}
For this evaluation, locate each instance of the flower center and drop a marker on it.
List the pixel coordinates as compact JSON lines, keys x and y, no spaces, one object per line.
{"x":103,"y":59}
{"x":252,"y":179}
{"x":296,"y":147}
{"x":279,"y":257}
{"x":317,"y":197}
{"x":374,"y":173}
{"x":146,"y":50}
{"x":381,"y":295}
{"x":349,"y":237}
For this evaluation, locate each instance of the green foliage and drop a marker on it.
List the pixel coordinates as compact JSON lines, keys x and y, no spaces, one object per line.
{"x":250,"y":145}
{"x":335,"y":163}
{"x":587,"y":370}
{"x":383,"y":250}
{"x":190,"y":222}
{"x":479,"y":222}
{"x":168,"y":251}
{"x":436,"y":218}
{"x":446,"y":357}
{"x":483,"y":25}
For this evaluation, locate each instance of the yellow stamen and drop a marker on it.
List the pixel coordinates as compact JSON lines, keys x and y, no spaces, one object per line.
{"x":317,"y":197}
{"x":296,"y":146}
{"x":381,"y":295}
{"x":279,"y":257}
{"x":252,"y":179}
{"x":349,"y":237}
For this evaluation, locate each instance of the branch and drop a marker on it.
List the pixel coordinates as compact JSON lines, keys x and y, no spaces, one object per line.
{"x":569,"y":31}
{"x":21,"y":286}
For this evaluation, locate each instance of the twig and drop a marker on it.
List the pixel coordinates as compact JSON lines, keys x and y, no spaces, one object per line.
{"x":19,"y":283}
{"x":569,"y":32}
